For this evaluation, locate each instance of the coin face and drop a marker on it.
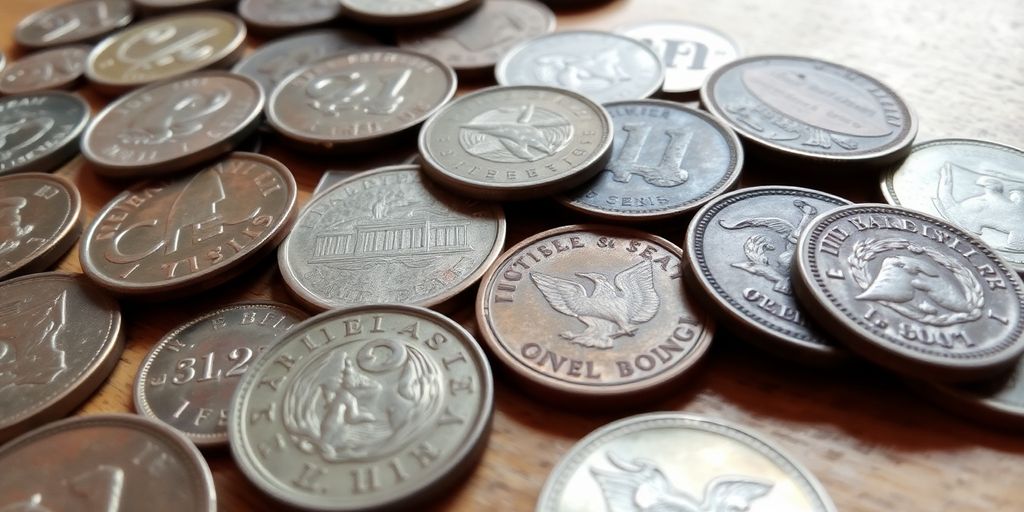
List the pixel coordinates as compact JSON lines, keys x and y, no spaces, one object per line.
{"x":739,"y":252}
{"x":278,"y":15}
{"x":603,"y":66}
{"x":151,"y":6}
{"x":388,"y":237}
{"x":73,"y":22}
{"x":911,"y":292}
{"x":811,"y":109}
{"x":105,"y":462}
{"x":39,"y":221}
{"x":689,"y":52}
{"x":187,"y":379}
{"x":516,"y":142}
{"x":172,"y":125}
{"x":712,"y":465}
{"x":998,"y":402}
{"x":666,"y":160}
{"x":60,"y":338}
{"x":405,"y":12}
{"x":189,"y":233}
{"x":362,"y":408}
{"x":58,"y":68}
{"x":40,"y":131}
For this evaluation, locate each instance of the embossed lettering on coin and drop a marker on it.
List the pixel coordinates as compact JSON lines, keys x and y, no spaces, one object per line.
{"x":72,"y":22}
{"x":39,"y":221}
{"x":59,"y":68}
{"x":689,"y":52}
{"x":40,"y":131}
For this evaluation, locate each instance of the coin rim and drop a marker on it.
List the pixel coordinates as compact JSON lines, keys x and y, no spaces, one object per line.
{"x":29,"y":61}
{"x":21,"y":40}
{"x":737,"y":48}
{"x":262,"y":24}
{"x":66,"y":235}
{"x":406,"y":18}
{"x":60,"y":153}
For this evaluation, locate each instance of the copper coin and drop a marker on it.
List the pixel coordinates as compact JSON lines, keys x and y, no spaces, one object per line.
{"x":40,"y":131}
{"x":998,"y":402}
{"x":282,"y":15}
{"x":39,"y":222}
{"x":80,"y":21}
{"x":60,"y":338}
{"x":405,"y":12}
{"x":592,"y":314}
{"x":57,"y":68}
{"x":190,"y":233}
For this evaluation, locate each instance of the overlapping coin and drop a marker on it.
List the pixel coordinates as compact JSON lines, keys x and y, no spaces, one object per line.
{"x":283,"y":15}
{"x":81,"y":21}
{"x":57,"y":68}
{"x":689,"y":52}
{"x":405,"y":12}
{"x":39,"y":222}
{"x":998,"y":402}
{"x":40,"y":131}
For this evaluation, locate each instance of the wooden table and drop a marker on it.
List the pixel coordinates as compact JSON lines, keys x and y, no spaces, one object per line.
{"x":874,"y":444}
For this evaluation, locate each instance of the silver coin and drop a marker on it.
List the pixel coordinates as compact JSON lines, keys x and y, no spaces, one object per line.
{"x":666,"y":160}
{"x":173,"y":125}
{"x":689,"y":52}
{"x":162,"y":6}
{"x":516,"y":142}
{"x":39,"y":222}
{"x":40,"y":131}
{"x":60,"y":338}
{"x":605,"y":67}
{"x":998,"y":402}
{"x":282,"y":15}
{"x":80,"y":21}
{"x":187,"y":379}
{"x":57,"y":68}
{"x":405,"y":12}
{"x":366,"y":408}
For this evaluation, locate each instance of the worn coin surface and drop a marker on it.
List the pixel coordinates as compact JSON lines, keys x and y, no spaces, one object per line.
{"x":672,"y":461}
{"x":405,"y":12}
{"x":388,"y":236}
{"x":363,"y":408}
{"x":804,"y":108}
{"x":72,"y":22}
{"x":666,"y":160}
{"x":187,"y":379}
{"x":603,"y":66}
{"x":189,"y":233}
{"x":911,"y":292}
{"x":281,"y":15}
{"x":105,"y":462}
{"x":516,"y":142}
{"x":346,"y":100}
{"x":739,"y":252}
{"x":998,"y":402}
{"x":60,"y":338}
{"x":39,"y":222}
{"x":689,"y":52}
{"x":174,"y":124}
{"x":592,"y":314}
{"x":57,"y":68}
{"x":40,"y":131}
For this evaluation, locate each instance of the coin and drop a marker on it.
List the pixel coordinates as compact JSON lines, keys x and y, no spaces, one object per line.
{"x":804,"y":108}
{"x":39,"y":222}
{"x":516,"y":142}
{"x":688,"y":51}
{"x":365,"y":408}
{"x":60,"y":338}
{"x":80,"y":21}
{"x":40,"y":131}
{"x":58,"y":68}
{"x":672,"y":461}
{"x":281,"y":15}
{"x":475,"y":43}
{"x":107,"y":462}
{"x":666,"y":160}
{"x":605,"y":67}
{"x":388,"y":237}
{"x":189,"y":233}
{"x":739,"y":250}
{"x":911,"y":292}
{"x":158,"y":6}
{"x":405,"y":12}
{"x":165,"y":47}
{"x":998,"y":402}
{"x":345,"y":101}
{"x":187,"y":379}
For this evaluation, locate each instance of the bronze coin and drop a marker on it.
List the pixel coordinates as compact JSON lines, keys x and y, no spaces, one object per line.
{"x":39,"y":221}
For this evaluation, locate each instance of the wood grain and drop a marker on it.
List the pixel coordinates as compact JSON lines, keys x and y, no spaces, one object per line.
{"x":874,"y":444}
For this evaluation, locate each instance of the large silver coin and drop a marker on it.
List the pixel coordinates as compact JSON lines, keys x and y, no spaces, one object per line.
{"x":40,"y":131}
{"x":39,"y":222}
{"x":282,"y":15}
{"x":57,"y":68}
{"x":405,"y":12}
{"x":689,"y":52}
{"x":80,"y":21}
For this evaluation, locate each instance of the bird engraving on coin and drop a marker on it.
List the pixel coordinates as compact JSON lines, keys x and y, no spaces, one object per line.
{"x":590,"y":72}
{"x":29,"y":351}
{"x":516,"y":134}
{"x":998,"y":206}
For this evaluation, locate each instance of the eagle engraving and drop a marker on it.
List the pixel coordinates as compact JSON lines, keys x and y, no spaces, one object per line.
{"x":611,"y":310}
{"x":758,"y":247}
{"x":530,"y":135}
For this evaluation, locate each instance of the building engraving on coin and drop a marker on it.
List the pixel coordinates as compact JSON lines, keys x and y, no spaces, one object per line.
{"x":518,"y":134}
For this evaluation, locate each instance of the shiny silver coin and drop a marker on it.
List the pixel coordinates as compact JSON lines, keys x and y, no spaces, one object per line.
{"x":666,"y":160}
{"x":283,"y":15}
{"x":187,"y":379}
{"x":603,"y":66}
{"x":80,"y":21}
{"x":60,"y":337}
{"x":516,"y":142}
{"x":689,"y":52}
{"x":57,"y":68}
{"x":332,"y":177}
{"x":173,"y":125}
{"x":405,"y":12}
{"x":39,"y":222}
{"x":40,"y":130}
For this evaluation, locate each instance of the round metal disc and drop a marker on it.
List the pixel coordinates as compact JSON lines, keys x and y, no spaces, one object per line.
{"x":998,"y":402}
{"x":80,"y":21}
{"x":39,"y":222}
{"x":405,"y":12}
{"x":284,"y":15}
{"x":57,"y":68}
{"x":42,"y":130}
{"x":688,"y":51}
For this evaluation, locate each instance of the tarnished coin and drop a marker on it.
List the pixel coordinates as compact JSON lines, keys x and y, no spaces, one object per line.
{"x":672,"y":461}
{"x":187,"y":379}
{"x":388,"y":237}
{"x":40,"y":131}
{"x":804,"y":108}
{"x":689,"y":52}
{"x":911,"y":292}
{"x":80,"y":21}
{"x":977,"y":185}
{"x":108,"y":462}
{"x":58,"y":68}
{"x":476,"y":42}
{"x":366,"y":408}
{"x":60,"y":338}
{"x":158,"y":6}
{"x":592,"y":314}
{"x":347,"y":100}
{"x":39,"y":222}
{"x":283,"y":15}
{"x":516,"y":142}
{"x":405,"y":12}
{"x":666,"y":160}
{"x":165,"y":47}
{"x":189,"y":233}
{"x":603,"y":66}
{"x":739,"y":252}
{"x":999,"y":402}
{"x":173,"y":125}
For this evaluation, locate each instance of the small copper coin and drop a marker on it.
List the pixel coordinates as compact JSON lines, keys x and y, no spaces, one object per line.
{"x":998,"y":402}
{"x":39,"y":222}
{"x":187,"y":234}
{"x":282,"y":15}
{"x":40,"y":131}
{"x":80,"y":21}
{"x":405,"y":12}
{"x":57,"y":68}
{"x":592,"y":314}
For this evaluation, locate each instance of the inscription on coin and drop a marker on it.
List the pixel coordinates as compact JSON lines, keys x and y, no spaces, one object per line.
{"x":689,"y":52}
{"x":40,"y":131}
{"x":73,"y":22}
{"x":39,"y":221}
{"x":59,"y":68}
